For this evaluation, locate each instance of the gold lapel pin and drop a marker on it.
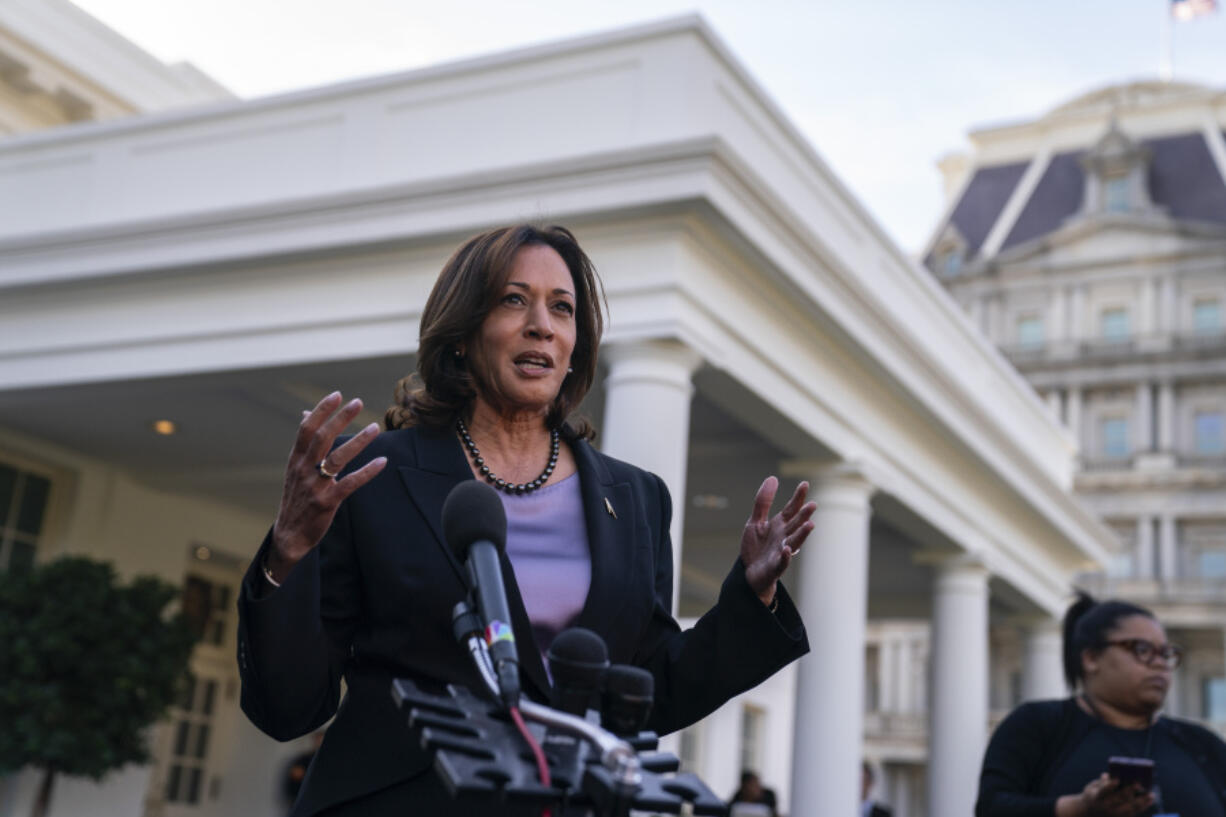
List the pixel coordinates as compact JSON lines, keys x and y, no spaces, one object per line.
{"x":608,"y":506}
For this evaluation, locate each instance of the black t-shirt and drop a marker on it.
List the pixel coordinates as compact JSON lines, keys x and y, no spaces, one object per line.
{"x":1180,"y":785}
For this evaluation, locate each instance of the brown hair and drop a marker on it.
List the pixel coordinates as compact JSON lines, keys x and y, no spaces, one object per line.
{"x":443,"y":388}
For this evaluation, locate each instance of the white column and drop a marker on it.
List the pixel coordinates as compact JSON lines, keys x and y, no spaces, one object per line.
{"x":1168,"y":307}
{"x":996,"y":329}
{"x":906,"y":671}
{"x":900,"y":793}
{"x":647,"y":418}
{"x":1144,"y":433}
{"x":1168,"y":550}
{"x":976,"y":311}
{"x":833,"y":590}
{"x":1072,"y":410}
{"x":1166,"y":417}
{"x":958,"y":713}
{"x":1145,"y":547}
{"x":1076,"y":317}
{"x":887,"y":672}
{"x":1056,"y":313}
{"x":1055,"y":403}
{"x":1147,"y":324}
{"x":1042,"y":660}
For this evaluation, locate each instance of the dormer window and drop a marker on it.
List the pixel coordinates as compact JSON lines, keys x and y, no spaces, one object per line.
{"x":951,"y":264}
{"x":1116,"y":175}
{"x":949,"y":253}
{"x":1115,"y":195}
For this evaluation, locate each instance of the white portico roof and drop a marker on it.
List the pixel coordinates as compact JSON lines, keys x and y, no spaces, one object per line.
{"x":306,"y":228}
{"x":62,"y":49}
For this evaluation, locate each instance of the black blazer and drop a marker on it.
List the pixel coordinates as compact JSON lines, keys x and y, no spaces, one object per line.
{"x":373,"y":602}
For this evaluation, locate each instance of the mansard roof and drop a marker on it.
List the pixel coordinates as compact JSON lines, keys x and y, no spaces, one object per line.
{"x":1038,"y":183}
{"x":982,"y":202}
{"x":1183,"y":179}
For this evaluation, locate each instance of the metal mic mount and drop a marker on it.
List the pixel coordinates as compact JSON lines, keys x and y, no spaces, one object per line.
{"x":483,"y":761}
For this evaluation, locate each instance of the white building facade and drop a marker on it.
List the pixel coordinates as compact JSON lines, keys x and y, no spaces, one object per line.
{"x":222,"y":267}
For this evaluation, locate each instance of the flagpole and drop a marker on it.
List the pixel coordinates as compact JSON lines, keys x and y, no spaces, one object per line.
{"x":1166,"y":70}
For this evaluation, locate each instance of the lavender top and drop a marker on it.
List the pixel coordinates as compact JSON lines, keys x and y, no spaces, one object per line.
{"x":547,"y":545}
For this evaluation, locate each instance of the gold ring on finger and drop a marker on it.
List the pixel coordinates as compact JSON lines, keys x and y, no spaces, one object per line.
{"x":322,"y":468}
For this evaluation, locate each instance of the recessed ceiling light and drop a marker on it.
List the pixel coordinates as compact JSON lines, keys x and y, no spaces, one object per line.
{"x":165,"y":427}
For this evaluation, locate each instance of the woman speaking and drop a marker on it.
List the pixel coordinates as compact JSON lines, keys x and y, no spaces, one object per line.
{"x":1054,"y":757}
{"x":355,"y":582}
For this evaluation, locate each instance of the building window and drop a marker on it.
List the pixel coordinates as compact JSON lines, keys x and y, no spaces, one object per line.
{"x":193,"y":719}
{"x":23,"y":504}
{"x":1215,"y":700}
{"x":1119,"y":566}
{"x":951,"y":264}
{"x":1114,"y":434}
{"x":1030,"y":331}
{"x":1207,"y":316}
{"x":1113,"y":324}
{"x":1210,"y":439}
{"x":753,"y":721}
{"x":1115,"y":195}
{"x":1213,"y":563}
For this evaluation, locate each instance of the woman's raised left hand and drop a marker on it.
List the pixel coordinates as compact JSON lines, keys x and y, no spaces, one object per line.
{"x":768,"y":543}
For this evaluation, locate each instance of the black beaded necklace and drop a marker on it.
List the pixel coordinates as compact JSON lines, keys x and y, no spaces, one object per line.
{"x":502,"y":484}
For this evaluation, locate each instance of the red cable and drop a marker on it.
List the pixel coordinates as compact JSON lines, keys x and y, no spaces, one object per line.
{"x":542,"y":766}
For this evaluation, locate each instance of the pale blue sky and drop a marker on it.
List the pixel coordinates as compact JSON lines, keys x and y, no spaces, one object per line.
{"x":882,"y":88}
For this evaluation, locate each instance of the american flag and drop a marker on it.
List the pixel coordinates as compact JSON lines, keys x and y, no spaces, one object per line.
{"x":1188,"y":9}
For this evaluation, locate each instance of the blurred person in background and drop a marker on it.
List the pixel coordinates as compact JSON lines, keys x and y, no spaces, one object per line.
{"x":752,"y":799}
{"x":868,"y":806}
{"x":1051,"y":757}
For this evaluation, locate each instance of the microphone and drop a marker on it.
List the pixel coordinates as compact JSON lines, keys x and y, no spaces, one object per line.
{"x":475,"y":526}
{"x":577,"y":662}
{"x":629,"y":692}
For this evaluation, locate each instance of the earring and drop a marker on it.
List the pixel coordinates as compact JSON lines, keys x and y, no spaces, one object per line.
{"x":570,"y":370}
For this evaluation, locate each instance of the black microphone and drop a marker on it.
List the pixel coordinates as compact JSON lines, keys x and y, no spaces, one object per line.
{"x":475,"y":526}
{"x":578,"y":659}
{"x":629,"y":692}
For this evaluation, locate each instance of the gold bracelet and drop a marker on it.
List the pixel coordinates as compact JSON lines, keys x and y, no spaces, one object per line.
{"x":268,"y":573}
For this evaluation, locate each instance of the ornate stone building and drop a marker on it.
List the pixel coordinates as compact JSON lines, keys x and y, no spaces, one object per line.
{"x":1090,"y":246}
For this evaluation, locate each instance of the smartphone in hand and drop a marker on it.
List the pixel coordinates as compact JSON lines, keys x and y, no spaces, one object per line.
{"x":1132,"y":770}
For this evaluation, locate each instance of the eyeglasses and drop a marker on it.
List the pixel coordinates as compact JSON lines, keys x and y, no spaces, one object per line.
{"x":1146,"y":651}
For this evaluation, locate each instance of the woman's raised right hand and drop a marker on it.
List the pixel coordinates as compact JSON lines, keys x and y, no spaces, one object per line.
{"x":309,"y":499}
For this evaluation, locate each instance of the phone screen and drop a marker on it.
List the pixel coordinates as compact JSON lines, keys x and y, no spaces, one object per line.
{"x":1130,"y":770}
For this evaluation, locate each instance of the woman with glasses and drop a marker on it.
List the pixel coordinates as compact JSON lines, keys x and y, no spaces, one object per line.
{"x":1051,"y":757}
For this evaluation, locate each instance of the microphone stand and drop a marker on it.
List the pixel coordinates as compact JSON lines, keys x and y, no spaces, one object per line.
{"x":617,"y":755}
{"x":479,"y":754}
